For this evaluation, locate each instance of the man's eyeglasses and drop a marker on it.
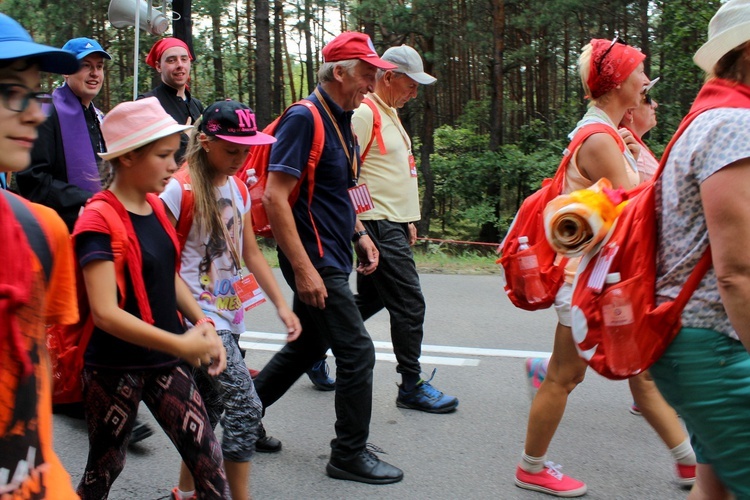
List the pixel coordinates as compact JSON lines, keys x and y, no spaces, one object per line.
{"x":18,"y":97}
{"x":604,"y":55}
{"x":647,"y":98}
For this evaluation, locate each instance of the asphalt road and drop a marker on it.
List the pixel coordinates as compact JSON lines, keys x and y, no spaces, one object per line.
{"x":469,"y":454}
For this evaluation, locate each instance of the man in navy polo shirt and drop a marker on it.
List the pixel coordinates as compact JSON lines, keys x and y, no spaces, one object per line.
{"x":315,"y":253}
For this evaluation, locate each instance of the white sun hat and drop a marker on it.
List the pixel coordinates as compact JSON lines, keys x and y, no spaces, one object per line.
{"x":729,"y":28}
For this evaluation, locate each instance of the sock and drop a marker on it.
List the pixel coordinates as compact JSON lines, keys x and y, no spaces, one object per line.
{"x":683,"y":453}
{"x":184,"y":495}
{"x":409,"y":381}
{"x":532,"y":464}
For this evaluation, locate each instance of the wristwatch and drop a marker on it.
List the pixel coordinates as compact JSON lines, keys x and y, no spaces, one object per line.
{"x":358,"y":235}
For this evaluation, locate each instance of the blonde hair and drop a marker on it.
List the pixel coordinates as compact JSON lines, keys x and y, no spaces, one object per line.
{"x":584,"y":70}
{"x":205,"y":209}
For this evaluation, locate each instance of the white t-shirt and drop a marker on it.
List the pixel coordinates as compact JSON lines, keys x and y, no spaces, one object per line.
{"x":207,"y":266}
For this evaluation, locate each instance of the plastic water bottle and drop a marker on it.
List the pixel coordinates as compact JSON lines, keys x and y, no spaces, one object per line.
{"x":251,"y":177}
{"x":623,"y":357}
{"x":529,"y":271}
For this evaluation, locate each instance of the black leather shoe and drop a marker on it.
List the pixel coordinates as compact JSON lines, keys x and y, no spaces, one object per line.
{"x":140,"y":432}
{"x":266,"y":443}
{"x":364,"y":468}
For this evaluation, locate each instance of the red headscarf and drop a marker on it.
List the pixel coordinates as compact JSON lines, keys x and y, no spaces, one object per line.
{"x":154,"y":55}
{"x":618,"y":63}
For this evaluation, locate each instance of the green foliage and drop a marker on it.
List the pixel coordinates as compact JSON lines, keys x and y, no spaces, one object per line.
{"x":464,"y":167}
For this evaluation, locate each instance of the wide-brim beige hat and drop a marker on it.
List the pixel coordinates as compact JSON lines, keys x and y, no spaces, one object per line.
{"x":729,"y":28}
{"x":133,"y":124}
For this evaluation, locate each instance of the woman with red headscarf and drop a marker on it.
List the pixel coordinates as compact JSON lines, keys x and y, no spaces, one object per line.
{"x":613,"y":79}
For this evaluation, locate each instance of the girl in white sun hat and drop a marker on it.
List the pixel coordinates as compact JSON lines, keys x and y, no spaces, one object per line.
{"x":139,"y":349}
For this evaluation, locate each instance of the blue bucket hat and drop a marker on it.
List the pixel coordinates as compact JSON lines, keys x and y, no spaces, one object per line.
{"x":16,"y":43}
{"x":83,"y":47}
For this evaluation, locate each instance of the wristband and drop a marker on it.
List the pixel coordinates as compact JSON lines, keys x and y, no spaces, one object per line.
{"x":358,"y":235}
{"x":205,"y":319}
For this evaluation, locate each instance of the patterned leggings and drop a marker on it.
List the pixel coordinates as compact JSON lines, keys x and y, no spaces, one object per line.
{"x":111,"y":400}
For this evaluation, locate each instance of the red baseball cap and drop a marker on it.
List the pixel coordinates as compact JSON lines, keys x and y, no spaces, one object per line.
{"x":354,"y":45}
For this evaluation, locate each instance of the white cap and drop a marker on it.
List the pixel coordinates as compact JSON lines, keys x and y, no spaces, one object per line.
{"x":408,"y":61}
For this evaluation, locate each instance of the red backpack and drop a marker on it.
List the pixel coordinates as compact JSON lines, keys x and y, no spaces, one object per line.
{"x":529,"y":222}
{"x":67,"y":343}
{"x":258,"y":160}
{"x":185,"y":222}
{"x":630,"y":249}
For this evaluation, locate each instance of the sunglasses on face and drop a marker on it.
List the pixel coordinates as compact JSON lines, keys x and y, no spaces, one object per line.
{"x":16,"y":97}
{"x":604,"y":55}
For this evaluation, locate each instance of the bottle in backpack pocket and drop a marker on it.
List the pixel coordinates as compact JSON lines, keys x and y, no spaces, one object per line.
{"x":623,"y":357}
{"x":528,"y":266}
{"x":251,"y":177}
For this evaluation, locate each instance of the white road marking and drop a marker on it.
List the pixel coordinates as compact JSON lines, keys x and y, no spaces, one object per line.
{"x":247,"y":342}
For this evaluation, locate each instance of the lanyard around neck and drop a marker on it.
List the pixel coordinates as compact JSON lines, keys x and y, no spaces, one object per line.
{"x":350,"y":155}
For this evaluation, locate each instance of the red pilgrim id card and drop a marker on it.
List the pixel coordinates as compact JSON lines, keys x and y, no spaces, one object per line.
{"x":249,"y":292}
{"x":361,"y":199}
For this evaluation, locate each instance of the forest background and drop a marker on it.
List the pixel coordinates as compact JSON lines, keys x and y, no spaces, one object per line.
{"x":485,"y":135}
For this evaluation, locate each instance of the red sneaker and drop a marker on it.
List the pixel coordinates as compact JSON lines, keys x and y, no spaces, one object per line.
{"x":551,"y":481}
{"x":685,"y":475}
{"x":176,"y":495}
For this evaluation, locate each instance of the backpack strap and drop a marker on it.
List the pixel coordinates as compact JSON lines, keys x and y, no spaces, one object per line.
{"x":583,"y":133}
{"x":377,"y":123}
{"x":118,"y":240}
{"x":34,"y":232}
{"x":316,"y":151}
{"x":187,"y":200}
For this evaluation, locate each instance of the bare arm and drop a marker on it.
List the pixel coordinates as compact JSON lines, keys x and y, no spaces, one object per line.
{"x":309,"y":284}
{"x":725,"y":197}
{"x":197,"y":346}
{"x":600,"y":156}
{"x":256,"y":263}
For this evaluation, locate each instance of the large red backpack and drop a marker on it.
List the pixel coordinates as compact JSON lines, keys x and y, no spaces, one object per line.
{"x":630,"y":249}
{"x":529,"y":222}
{"x":258,"y":161}
{"x":67,"y":343}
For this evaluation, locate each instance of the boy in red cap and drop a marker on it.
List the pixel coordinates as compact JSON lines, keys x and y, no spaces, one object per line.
{"x":315,"y":253}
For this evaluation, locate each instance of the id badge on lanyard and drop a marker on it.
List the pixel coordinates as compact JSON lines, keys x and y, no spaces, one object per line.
{"x":360,"y":198}
{"x":249,"y":292}
{"x":412,"y":165}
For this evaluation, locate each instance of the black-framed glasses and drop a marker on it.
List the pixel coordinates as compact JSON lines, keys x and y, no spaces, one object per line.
{"x":647,"y":98}
{"x":17,"y":97}
{"x":615,"y":41}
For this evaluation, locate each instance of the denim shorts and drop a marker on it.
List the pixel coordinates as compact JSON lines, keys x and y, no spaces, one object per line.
{"x":705,"y":376}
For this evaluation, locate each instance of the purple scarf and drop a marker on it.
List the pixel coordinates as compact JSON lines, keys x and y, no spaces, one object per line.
{"x":80,"y":158}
